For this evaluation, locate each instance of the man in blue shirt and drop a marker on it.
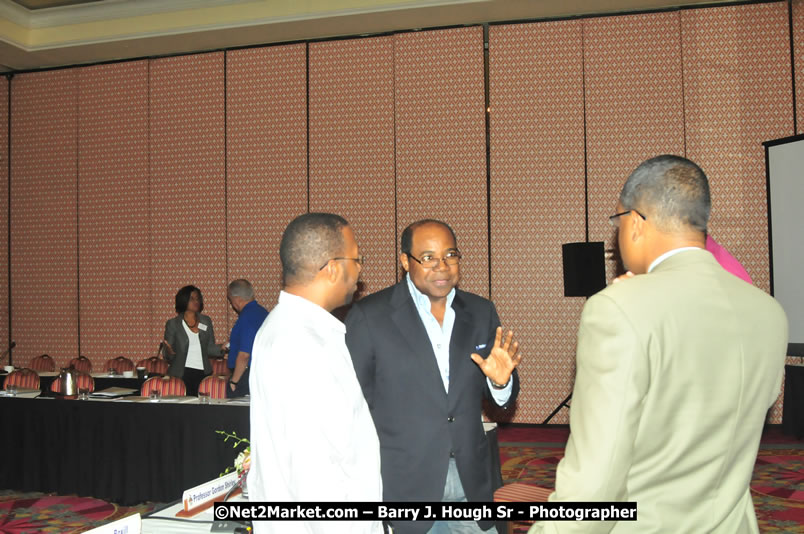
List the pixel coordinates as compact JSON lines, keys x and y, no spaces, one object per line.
{"x":251,"y":316}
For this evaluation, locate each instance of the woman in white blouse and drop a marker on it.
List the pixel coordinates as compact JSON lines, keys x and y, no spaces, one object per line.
{"x":190,"y":340}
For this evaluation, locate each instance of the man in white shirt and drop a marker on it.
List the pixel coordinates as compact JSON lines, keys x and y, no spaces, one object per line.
{"x":312,"y":436}
{"x":676,"y":369}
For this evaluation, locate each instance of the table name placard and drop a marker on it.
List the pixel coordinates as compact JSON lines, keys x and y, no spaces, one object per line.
{"x":426,"y":511}
{"x":131,"y":524}
{"x":208,"y":491}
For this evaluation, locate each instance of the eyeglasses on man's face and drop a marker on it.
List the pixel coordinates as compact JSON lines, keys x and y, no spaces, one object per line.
{"x":428,"y":261}
{"x":614,"y":220}
{"x":358,"y":259}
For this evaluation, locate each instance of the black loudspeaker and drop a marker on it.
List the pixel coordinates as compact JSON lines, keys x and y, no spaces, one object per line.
{"x":584,"y":268}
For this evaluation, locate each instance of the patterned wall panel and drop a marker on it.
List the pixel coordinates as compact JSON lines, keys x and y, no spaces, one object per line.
{"x":798,"y":52}
{"x":634,"y":105}
{"x":441,"y":140}
{"x":537,"y":178}
{"x":352,"y":146}
{"x":113,"y":213}
{"x":188,"y":215}
{"x":738,"y":93}
{"x":737,"y":86}
{"x":4,"y":307}
{"x":44,"y":259}
{"x":266,"y":158}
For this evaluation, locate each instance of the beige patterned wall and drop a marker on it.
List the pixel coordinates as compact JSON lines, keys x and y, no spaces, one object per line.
{"x":537,"y":200}
{"x":114,"y":261}
{"x":352,"y":146}
{"x":737,"y":94}
{"x":737,"y":81}
{"x":634,"y":106}
{"x":441,"y":140}
{"x":131,"y":180}
{"x":267,"y":159}
{"x":188,"y":215}
{"x":44,"y":253}
{"x":798,"y":52}
{"x":4,"y":184}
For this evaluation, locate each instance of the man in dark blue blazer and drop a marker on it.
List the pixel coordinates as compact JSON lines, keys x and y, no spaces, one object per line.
{"x":426,"y":354}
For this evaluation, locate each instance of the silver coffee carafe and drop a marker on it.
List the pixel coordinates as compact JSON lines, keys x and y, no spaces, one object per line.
{"x":68,"y":379}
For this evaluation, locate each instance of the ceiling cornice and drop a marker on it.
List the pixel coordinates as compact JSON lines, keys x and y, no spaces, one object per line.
{"x":125,"y":9}
{"x":101,"y":11}
{"x":123,"y":29}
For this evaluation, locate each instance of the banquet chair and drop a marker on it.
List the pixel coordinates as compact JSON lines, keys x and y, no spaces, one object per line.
{"x":166,"y":385}
{"x":520,"y":492}
{"x":120,"y":364}
{"x":43,"y":363}
{"x":82,"y":381}
{"x":154,"y":365}
{"x":22,"y":378}
{"x":215,"y":385}
{"x":219,"y":366}
{"x":82,"y":363}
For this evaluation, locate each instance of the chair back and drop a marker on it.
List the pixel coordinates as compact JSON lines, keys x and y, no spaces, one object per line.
{"x":22,"y":378}
{"x":120,"y":364}
{"x":154,"y":365}
{"x":82,"y":363}
{"x":82,"y":380}
{"x":214,"y":385}
{"x":43,"y":363}
{"x":219,"y":366}
{"x":166,"y":385}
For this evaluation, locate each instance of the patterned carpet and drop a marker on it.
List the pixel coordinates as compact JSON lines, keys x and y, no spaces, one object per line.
{"x":527,"y":454}
{"x":33,"y":512}
{"x":777,"y":485}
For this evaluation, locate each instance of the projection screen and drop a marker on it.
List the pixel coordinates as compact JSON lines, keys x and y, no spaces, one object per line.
{"x":784,"y":166}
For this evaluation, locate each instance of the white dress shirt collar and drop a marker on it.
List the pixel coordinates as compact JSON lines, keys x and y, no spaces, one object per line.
{"x":667,"y":254}
{"x":317,"y":315}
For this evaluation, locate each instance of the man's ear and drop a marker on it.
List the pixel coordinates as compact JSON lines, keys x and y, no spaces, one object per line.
{"x":404,"y":260}
{"x":333,"y":270}
{"x":329,"y":272}
{"x":638,"y":226}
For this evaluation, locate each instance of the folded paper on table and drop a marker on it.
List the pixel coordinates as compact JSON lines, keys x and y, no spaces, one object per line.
{"x":22,"y":392}
{"x":113,"y":392}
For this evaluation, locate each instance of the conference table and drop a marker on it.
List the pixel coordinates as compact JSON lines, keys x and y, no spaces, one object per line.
{"x":102,"y":381}
{"x":118,"y":450}
{"x":125,"y":450}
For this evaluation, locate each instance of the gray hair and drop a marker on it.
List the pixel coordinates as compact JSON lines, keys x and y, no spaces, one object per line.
{"x":241,"y":288}
{"x":673,"y":192}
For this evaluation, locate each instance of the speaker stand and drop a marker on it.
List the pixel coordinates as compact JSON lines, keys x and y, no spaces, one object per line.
{"x":558,"y":408}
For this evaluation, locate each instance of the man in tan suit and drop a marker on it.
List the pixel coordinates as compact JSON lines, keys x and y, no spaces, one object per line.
{"x":676,"y":369}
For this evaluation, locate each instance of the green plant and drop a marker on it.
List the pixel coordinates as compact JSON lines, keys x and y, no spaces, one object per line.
{"x":242,"y":460}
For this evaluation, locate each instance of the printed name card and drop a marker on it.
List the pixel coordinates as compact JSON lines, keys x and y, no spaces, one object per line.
{"x":208,"y":491}
{"x":128,"y":525}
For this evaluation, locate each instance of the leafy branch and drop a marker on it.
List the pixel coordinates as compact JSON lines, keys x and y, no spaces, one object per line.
{"x":236,"y":442}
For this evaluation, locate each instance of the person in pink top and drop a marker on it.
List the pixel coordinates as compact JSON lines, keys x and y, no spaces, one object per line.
{"x":726,"y":260}
{"x":723,"y":257}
